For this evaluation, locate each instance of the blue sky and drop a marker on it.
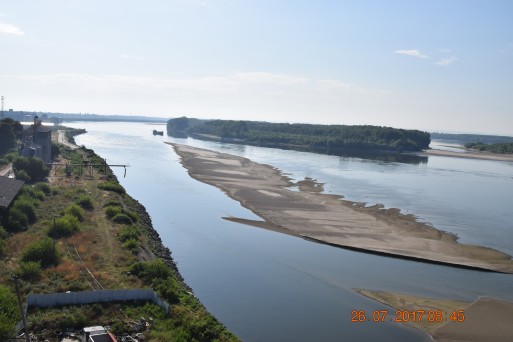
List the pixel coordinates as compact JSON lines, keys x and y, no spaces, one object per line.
{"x":431,"y":65}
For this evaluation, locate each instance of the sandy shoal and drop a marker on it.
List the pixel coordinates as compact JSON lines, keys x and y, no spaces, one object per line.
{"x":469,"y":154}
{"x":486,"y":319}
{"x":330,"y":219}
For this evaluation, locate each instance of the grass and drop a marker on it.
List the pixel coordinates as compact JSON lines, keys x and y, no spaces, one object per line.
{"x":108,"y":250}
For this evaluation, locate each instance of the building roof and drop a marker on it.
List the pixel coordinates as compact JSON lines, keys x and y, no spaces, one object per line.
{"x":9,"y":188}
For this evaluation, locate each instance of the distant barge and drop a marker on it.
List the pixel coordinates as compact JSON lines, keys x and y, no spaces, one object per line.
{"x":155,"y":132}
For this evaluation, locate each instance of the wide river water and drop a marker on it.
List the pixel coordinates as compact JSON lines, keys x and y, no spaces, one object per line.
{"x":266,"y":286}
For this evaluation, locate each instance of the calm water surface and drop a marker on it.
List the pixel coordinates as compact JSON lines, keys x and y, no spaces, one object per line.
{"x":265,"y":286}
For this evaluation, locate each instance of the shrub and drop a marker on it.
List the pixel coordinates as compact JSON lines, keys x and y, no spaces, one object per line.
{"x":34,"y":168}
{"x":44,"y":187}
{"x":22,"y":175}
{"x":32,"y":193}
{"x":85,"y":202}
{"x":63,"y":226}
{"x":119,"y":328}
{"x":151,"y":270}
{"x":26,"y":206}
{"x":16,"y":220}
{"x":169,"y":290}
{"x":55,"y":150}
{"x":42,"y":251}
{"x":133,"y":215}
{"x":128,"y":232}
{"x":3,"y":233}
{"x":2,"y":246}
{"x":111,"y":211}
{"x":112,"y":203}
{"x":112,"y":186}
{"x":30,"y":270}
{"x":122,"y":218}
{"x":76,"y":211}
{"x":9,"y":313}
{"x":131,"y":244}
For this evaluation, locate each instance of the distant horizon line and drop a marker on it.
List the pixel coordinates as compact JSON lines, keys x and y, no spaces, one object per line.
{"x":441,"y":131}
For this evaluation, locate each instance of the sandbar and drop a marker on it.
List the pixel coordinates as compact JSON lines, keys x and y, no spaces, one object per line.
{"x":467,"y":153}
{"x":485,"y":319}
{"x":330,"y":219}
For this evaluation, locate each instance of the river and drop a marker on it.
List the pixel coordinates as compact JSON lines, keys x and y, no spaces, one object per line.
{"x":266,"y":286}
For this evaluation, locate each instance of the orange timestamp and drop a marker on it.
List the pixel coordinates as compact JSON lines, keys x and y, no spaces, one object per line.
{"x":407,"y":316}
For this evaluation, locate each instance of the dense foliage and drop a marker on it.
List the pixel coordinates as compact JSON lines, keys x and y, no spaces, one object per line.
{"x":320,"y":138}
{"x":472,"y":138}
{"x":9,"y":130}
{"x":42,"y":251}
{"x":495,"y":148}
{"x":112,"y":186}
{"x":9,"y":313}
{"x":22,"y":211}
{"x":30,"y":169}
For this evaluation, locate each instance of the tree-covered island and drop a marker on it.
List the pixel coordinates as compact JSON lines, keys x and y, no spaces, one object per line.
{"x":331,"y":139}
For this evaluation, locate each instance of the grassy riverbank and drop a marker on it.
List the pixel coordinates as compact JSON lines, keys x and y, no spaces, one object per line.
{"x":101,"y":238}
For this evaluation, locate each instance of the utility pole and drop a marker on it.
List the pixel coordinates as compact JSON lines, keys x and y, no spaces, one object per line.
{"x":2,"y":112}
{"x":15,"y":278}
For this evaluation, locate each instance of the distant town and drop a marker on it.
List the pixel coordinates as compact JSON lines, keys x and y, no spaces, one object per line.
{"x":57,"y":118}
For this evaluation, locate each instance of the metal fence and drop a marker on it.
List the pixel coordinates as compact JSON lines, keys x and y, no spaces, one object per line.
{"x":90,"y":297}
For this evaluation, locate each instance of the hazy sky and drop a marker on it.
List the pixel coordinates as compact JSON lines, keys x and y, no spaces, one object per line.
{"x":432,"y":65}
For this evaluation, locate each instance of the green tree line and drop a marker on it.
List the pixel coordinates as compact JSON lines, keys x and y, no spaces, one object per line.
{"x":495,"y":148}
{"x":322,"y":138}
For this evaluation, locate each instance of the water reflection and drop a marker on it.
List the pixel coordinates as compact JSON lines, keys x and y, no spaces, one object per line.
{"x":385,"y":156}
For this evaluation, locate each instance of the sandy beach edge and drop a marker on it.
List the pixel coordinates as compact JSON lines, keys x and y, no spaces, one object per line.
{"x":484,"y":319}
{"x":467,"y":154}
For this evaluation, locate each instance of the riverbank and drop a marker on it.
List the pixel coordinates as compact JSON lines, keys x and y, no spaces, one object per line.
{"x":112,"y":245}
{"x":330,"y":219}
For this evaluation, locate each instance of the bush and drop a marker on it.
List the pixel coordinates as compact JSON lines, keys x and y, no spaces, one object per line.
{"x":122,"y":218}
{"x":34,"y":168}
{"x":132,"y":244}
{"x":22,"y":175}
{"x":111,"y":186}
{"x":111,"y":211}
{"x":63,"y":226}
{"x":30,"y":271}
{"x":42,"y":251}
{"x":133,"y":215}
{"x":85,"y":202}
{"x":56,"y":150}
{"x":76,"y":211}
{"x":32,"y":193}
{"x":9,"y":313}
{"x":112,"y":203}
{"x":2,"y":246}
{"x":169,"y":289}
{"x":3,"y":233}
{"x":26,"y":206}
{"x":16,"y":220}
{"x":151,"y":270}
{"x":128,"y":233}
{"x":44,"y":187}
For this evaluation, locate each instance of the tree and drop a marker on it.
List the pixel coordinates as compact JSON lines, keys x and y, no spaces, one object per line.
{"x":7,"y":137}
{"x":34,"y":168}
